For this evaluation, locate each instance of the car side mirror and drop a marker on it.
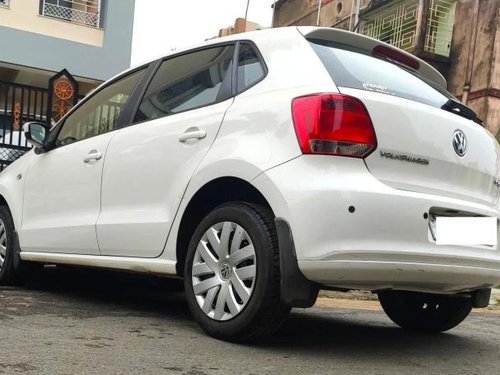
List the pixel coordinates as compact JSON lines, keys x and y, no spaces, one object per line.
{"x":36,"y":133}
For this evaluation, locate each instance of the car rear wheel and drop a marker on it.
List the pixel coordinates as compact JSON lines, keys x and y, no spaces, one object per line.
{"x":231,"y":275}
{"x":425,"y":312}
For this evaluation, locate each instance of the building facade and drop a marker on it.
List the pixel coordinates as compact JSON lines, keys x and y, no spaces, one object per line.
{"x":460,"y":38}
{"x":241,"y":25}
{"x":53,"y":52}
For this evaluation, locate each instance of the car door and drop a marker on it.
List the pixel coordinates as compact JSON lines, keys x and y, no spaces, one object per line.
{"x":148,"y":165}
{"x":63,"y":185}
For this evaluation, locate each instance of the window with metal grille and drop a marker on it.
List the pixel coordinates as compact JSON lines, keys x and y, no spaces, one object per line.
{"x":395,"y":23}
{"x":440,"y":27}
{"x":86,"y":12}
{"x":4,"y":3}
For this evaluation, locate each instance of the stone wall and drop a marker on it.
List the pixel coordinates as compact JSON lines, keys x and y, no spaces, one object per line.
{"x":474,"y":74}
{"x":334,"y":13}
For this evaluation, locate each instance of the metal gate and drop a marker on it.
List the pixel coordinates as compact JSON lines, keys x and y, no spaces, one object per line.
{"x":18,"y":104}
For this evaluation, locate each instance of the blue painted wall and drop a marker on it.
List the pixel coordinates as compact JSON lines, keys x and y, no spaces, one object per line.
{"x":54,"y":54}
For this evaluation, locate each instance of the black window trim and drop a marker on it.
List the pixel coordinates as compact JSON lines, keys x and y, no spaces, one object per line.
{"x":54,"y":133}
{"x":234,"y":75}
{"x":261,"y":60}
{"x":150,"y":69}
{"x":127,"y":118}
{"x":160,"y":61}
{"x":234,"y":70}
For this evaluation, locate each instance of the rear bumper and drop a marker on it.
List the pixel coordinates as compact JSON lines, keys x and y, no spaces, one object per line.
{"x":402,"y":275}
{"x":352,"y":231}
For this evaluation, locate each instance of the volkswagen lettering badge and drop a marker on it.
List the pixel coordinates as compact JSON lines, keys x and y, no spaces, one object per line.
{"x":459,"y":143}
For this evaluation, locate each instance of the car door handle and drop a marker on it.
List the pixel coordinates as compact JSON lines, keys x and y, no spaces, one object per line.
{"x":192,"y":134}
{"x":92,"y":155}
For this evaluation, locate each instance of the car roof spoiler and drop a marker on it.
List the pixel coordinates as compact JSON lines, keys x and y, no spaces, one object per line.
{"x":376,"y":48}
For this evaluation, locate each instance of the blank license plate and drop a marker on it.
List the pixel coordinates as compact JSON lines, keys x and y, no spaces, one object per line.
{"x":466,"y":231}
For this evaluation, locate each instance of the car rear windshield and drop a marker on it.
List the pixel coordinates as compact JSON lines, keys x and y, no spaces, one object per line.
{"x":355,"y":69}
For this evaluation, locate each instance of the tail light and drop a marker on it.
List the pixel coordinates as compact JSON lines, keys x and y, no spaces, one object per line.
{"x":333,"y":124}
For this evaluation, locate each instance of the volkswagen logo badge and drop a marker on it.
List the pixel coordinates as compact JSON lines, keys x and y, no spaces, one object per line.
{"x":459,"y":143}
{"x":225,"y":271}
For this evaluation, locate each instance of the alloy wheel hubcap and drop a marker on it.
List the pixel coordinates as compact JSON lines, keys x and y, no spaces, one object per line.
{"x":224,"y":271}
{"x":3,"y":243}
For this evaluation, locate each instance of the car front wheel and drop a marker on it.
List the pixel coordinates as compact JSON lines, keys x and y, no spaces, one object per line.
{"x":231,"y":275}
{"x":11,"y":267}
{"x":425,"y":312}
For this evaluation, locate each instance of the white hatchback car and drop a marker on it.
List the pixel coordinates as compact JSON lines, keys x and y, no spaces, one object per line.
{"x":261,"y":167}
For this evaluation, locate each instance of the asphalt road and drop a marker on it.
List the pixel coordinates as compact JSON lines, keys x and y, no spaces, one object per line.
{"x":87,"y":322}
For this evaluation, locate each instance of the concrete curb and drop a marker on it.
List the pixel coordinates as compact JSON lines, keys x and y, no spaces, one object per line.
{"x":495,"y":297}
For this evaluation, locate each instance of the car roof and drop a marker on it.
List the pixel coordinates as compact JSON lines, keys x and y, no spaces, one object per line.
{"x":310,"y":32}
{"x":250,"y":35}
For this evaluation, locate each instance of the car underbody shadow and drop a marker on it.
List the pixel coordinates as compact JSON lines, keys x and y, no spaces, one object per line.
{"x":102,"y":291}
{"x":318,"y":332}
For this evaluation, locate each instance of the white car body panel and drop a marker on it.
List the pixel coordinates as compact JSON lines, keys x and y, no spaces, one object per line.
{"x":387,"y":228}
{"x":240,"y":150}
{"x":422,"y":131}
{"x":54,"y":220}
{"x":145,"y":175}
{"x":142,"y":265}
{"x":12,"y":186}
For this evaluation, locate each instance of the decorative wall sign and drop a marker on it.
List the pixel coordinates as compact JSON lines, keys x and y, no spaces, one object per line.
{"x":16,"y":125}
{"x":63,"y":95}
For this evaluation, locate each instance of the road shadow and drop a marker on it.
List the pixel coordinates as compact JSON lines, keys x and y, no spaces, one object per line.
{"x":316,"y":333}
{"x":104,"y":292}
{"x":323,"y":333}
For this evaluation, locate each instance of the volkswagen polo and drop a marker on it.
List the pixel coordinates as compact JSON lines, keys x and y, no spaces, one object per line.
{"x":260,"y":168}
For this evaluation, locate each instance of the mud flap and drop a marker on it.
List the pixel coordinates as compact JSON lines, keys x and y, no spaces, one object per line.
{"x":296,"y":290}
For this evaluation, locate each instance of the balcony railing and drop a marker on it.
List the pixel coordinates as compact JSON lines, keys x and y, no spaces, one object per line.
{"x":4,"y":3}
{"x":86,"y":12}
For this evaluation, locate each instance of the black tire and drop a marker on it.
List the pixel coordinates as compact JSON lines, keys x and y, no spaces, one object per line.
{"x":10,"y":270}
{"x":264,"y":312}
{"x":425,"y":312}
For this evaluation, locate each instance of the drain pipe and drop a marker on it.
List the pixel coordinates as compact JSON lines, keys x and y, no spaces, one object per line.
{"x":471,"y":57}
{"x":350,"y":16}
{"x":356,"y":15}
{"x":274,"y":14}
{"x":320,"y":2}
{"x":246,"y":14}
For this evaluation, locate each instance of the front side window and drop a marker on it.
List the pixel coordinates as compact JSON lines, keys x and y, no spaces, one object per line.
{"x":100,"y":113}
{"x":186,"y":82}
{"x":250,"y":68}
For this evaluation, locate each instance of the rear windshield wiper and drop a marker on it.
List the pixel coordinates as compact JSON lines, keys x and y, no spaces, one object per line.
{"x":454,"y":106}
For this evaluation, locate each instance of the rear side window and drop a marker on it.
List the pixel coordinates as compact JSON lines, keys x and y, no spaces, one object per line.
{"x":186,"y":82}
{"x":357,"y":70}
{"x":250,"y":68}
